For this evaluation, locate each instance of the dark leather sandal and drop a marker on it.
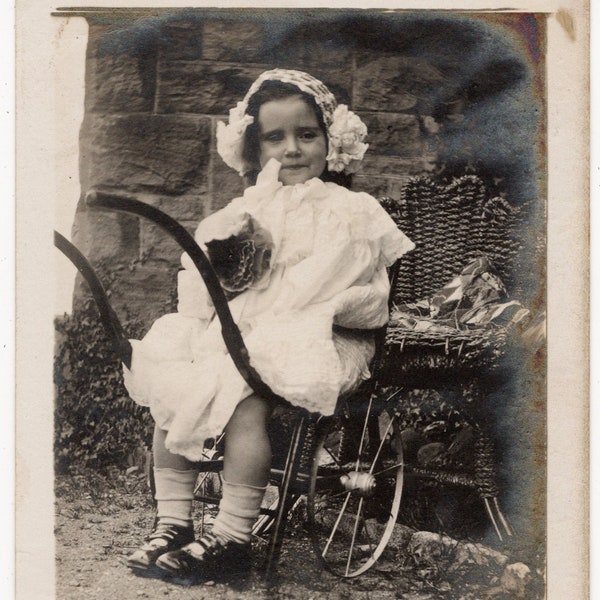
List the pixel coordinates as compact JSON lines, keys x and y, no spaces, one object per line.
{"x":207,"y":559}
{"x":164,"y":538}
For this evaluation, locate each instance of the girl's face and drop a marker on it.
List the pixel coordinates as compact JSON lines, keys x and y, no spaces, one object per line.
{"x":289,"y":131}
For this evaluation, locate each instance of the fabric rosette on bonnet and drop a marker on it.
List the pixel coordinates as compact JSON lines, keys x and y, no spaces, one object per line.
{"x":346,"y":145}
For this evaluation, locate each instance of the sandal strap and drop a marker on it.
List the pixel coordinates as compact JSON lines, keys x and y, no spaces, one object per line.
{"x":168,"y":529}
{"x":168,"y":533}
{"x":164,"y":538}
{"x":207,"y":545}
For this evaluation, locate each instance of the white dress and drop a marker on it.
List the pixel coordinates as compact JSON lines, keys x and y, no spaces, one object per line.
{"x":331,"y":248}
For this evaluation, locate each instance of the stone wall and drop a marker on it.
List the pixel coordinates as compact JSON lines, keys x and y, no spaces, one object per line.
{"x":157,"y":85}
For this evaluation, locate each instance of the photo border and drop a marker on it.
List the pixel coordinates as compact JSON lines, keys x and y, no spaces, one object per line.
{"x":38,"y":34}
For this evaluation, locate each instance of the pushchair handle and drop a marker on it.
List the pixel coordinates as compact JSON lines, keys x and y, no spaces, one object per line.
{"x":230,"y":331}
{"x":108,"y":317}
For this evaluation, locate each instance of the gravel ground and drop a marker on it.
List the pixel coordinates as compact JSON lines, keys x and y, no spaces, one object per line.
{"x":101,"y":519}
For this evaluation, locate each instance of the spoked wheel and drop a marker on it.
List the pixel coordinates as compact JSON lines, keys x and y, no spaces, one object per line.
{"x":355,"y":491}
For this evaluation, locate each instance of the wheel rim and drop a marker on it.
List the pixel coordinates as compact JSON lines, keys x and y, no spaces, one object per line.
{"x":353,"y":506}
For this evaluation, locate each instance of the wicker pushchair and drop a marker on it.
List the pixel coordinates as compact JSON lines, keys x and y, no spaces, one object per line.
{"x":350,"y":466}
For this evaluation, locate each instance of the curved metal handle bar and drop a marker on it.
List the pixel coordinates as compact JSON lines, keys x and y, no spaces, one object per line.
{"x":108,"y":317}
{"x":230,"y":331}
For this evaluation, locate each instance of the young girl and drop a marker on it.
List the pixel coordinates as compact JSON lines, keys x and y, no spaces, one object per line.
{"x":323,"y":252}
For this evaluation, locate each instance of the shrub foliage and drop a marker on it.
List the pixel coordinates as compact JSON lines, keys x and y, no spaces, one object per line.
{"x":95,"y":422}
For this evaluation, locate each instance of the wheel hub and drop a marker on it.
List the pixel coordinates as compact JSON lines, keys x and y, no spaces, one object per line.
{"x":363,"y":484}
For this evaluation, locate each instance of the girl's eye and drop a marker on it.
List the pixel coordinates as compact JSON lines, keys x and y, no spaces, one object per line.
{"x":308,"y":135}
{"x":272,"y":137}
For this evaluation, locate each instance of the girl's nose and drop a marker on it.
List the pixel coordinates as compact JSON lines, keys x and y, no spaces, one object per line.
{"x":291,"y":147}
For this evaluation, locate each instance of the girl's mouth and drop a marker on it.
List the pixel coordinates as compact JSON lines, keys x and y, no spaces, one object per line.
{"x":294,"y":167}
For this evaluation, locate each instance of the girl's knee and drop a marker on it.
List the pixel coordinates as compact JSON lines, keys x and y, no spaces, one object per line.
{"x":252,"y":412}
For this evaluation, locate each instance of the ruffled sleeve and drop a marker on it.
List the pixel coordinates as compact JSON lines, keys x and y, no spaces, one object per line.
{"x":366,"y":306}
{"x":393,"y":243}
{"x":223,"y":223}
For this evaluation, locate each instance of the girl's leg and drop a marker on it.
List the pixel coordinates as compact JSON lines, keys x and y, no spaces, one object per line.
{"x":163,"y":458}
{"x":247,"y":459}
{"x":246,"y":467}
{"x":174,"y":477}
{"x":224,"y":551}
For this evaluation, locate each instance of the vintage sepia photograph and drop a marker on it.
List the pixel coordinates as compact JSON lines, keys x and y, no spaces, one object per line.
{"x":300,"y":304}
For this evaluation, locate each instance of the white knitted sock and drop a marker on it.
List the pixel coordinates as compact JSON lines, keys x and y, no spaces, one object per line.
{"x":174,"y":495}
{"x":238,"y":510}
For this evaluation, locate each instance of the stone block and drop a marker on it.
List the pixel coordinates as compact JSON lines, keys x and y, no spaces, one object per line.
{"x":104,"y":237}
{"x":393,"y":83}
{"x":226,"y":183}
{"x":145,"y":292}
{"x":190,"y":207}
{"x":138,"y":293}
{"x":138,"y":37}
{"x":158,"y":246}
{"x":233,"y":40}
{"x":202,"y":87}
{"x":313,"y":49}
{"x":120,"y":83}
{"x":181,"y":40}
{"x":154,"y":153}
{"x":121,"y":66}
{"x":393,"y":134}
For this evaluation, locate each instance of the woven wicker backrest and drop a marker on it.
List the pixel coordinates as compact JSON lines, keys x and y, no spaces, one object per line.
{"x":450,"y":223}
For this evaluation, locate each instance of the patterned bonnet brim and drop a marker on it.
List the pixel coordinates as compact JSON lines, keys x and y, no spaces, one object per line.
{"x":346,"y":131}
